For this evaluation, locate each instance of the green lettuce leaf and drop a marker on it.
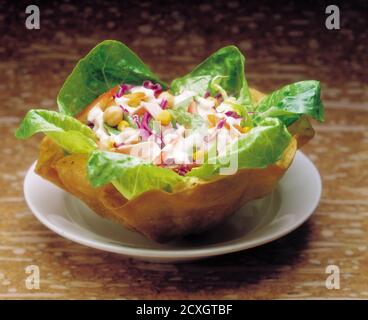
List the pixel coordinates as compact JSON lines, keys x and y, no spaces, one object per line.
{"x":228,"y":65}
{"x":105,"y":66}
{"x":291,"y":102}
{"x":130,"y":175}
{"x":66,"y":131}
{"x":261,"y":146}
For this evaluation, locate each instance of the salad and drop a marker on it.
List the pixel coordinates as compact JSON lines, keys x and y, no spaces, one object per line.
{"x":169,"y":160}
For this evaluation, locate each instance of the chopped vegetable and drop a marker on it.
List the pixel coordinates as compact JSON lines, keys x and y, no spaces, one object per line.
{"x":164,"y":117}
{"x":113,"y":115}
{"x":123,"y":124}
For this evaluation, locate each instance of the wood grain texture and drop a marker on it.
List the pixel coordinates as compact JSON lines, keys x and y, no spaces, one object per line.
{"x":282,"y":44}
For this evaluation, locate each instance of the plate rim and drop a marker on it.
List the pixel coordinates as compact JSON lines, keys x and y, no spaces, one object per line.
{"x":180,"y":253}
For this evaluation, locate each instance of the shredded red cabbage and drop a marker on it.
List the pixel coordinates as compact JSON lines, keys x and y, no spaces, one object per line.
{"x":232,"y":114}
{"x":135,"y":118}
{"x":143,"y":126}
{"x":206,"y":94}
{"x":160,"y":139}
{"x":221,"y":123}
{"x":90,"y":124}
{"x":182,"y":169}
{"x":163,"y":104}
{"x":147,"y":84}
{"x":219,"y":98}
{"x":123,"y":108}
{"x":123,"y":89}
{"x":144,"y":123}
{"x":156,"y":87}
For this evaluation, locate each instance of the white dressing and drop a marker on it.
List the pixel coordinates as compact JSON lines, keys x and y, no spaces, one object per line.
{"x":172,"y":143}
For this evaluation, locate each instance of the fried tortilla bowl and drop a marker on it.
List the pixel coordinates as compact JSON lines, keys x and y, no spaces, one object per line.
{"x":164,"y":216}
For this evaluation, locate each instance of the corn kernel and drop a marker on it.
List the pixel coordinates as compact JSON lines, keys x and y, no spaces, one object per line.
{"x":113,"y":115}
{"x":135,"y":98}
{"x":245,"y":129}
{"x":164,"y":117}
{"x":212,"y":119}
{"x":122,"y":125}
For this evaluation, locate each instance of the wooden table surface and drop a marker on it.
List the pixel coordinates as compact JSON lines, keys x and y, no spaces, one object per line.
{"x":283,"y":44}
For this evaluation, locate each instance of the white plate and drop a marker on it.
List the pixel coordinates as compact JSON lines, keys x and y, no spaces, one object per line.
{"x":258,"y":222}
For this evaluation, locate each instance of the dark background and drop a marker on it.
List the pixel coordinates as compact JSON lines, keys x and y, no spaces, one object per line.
{"x":173,"y":36}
